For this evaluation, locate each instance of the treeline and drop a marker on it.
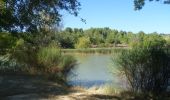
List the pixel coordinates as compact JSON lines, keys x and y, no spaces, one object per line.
{"x":79,"y":38}
{"x":105,"y":37}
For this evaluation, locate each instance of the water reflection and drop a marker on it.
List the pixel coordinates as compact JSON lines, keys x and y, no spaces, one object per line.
{"x":93,"y":69}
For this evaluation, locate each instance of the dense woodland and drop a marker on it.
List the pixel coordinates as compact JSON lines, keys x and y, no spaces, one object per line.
{"x":89,"y":38}
{"x":106,"y":37}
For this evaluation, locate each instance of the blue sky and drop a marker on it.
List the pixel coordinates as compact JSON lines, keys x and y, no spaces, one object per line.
{"x":120,"y":14}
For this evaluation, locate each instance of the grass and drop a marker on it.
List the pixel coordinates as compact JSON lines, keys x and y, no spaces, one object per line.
{"x":94,"y":50}
{"x":107,"y":89}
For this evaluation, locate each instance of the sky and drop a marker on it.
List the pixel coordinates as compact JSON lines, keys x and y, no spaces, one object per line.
{"x":120,"y":15}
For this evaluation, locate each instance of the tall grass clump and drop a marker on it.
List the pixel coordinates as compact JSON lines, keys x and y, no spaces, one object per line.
{"x":49,"y":56}
{"x":54,"y":64}
{"x":109,"y":89}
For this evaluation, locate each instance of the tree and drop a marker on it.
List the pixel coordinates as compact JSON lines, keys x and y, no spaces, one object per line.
{"x":65,"y":39}
{"x":122,"y":37}
{"x":32,"y":15}
{"x":97,"y":35}
{"x":154,"y":40}
{"x":167,"y":38}
{"x":83,"y":42}
{"x":112,"y":37}
{"x":140,"y":3}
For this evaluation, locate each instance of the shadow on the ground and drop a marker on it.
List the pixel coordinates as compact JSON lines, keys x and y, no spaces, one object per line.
{"x":106,"y":97}
{"x":24,"y":85}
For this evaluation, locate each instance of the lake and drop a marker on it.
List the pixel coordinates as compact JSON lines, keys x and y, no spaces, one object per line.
{"x":93,"y":69}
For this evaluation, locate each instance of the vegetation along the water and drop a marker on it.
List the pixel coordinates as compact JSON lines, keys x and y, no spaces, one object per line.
{"x":34,"y":63}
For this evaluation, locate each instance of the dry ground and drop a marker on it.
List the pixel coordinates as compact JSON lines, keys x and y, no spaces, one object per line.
{"x":36,"y":88}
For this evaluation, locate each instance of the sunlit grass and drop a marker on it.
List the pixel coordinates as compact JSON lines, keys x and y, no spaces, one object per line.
{"x":106,"y":89}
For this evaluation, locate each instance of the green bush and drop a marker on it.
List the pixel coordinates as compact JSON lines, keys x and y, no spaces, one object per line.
{"x":146,"y":69}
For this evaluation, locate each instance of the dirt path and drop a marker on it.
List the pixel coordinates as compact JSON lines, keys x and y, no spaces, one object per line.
{"x":82,"y":94}
{"x":35,"y":88}
{"x":76,"y":95}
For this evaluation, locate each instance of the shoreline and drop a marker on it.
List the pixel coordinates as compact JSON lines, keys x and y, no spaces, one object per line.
{"x":95,"y":50}
{"x":32,"y":88}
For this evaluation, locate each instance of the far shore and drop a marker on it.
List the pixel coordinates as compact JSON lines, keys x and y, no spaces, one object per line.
{"x":96,"y":50}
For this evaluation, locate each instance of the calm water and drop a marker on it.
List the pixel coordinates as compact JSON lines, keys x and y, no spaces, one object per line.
{"x":93,"y":69}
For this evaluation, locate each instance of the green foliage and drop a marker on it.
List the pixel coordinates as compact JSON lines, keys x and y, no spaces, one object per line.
{"x":54,"y":64}
{"x":7,"y":42}
{"x":69,"y":37}
{"x":154,"y":40}
{"x":150,"y":40}
{"x":40,"y":14}
{"x":105,"y":37}
{"x":112,"y":37}
{"x":47,"y":61}
{"x":67,"y":63}
{"x":116,"y":37}
{"x":66,"y":39}
{"x":97,"y":35}
{"x":49,"y":56}
{"x":167,"y":38}
{"x":146,"y":69}
{"x":35,"y":54}
{"x":83,"y":42}
{"x":94,"y":50}
{"x":140,"y":3}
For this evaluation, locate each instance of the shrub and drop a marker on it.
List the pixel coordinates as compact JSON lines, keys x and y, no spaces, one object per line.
{"x":146,"y":69}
